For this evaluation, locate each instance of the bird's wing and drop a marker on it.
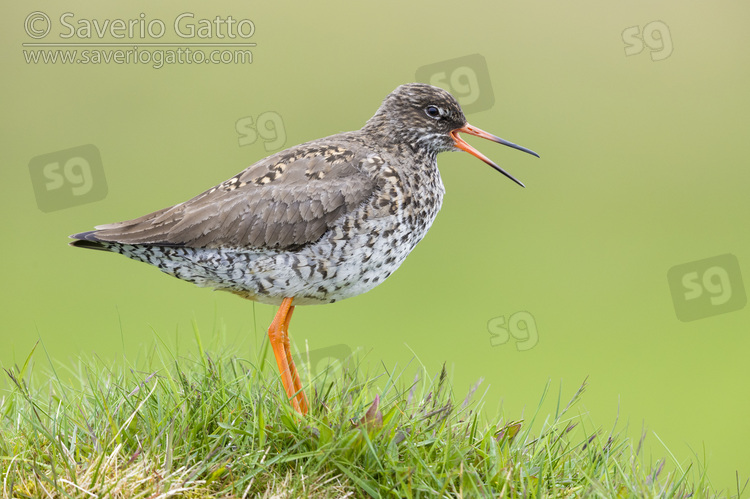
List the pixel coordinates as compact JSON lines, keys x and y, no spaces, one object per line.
{"x":284,"y":201}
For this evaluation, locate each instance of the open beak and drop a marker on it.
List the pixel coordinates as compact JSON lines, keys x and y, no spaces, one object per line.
{"x":464,"y":146}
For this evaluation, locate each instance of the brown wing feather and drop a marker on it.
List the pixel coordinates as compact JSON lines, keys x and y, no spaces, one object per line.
{"x":286,"y":200}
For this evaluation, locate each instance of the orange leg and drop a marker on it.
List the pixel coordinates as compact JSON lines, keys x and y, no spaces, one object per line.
{"x":301,"y":397}
{"x":278,"y":334}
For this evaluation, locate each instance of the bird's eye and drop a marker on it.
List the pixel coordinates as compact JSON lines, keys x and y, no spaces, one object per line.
{"x":432,"y":111}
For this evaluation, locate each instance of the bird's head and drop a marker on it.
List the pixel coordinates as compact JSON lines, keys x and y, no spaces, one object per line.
{"x":428,"y":117}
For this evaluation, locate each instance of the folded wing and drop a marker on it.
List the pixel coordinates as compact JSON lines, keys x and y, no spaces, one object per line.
{"x":281,"y":202}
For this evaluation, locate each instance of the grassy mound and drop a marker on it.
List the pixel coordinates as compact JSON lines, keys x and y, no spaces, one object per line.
{"x":217,"y":425}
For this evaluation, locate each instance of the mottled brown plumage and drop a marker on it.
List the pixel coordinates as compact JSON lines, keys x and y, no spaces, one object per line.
{"x":284,"y":201}
{"x":316,"y":223}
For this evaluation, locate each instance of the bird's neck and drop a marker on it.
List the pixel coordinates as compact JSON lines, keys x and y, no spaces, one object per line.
{"x":394,"y":137}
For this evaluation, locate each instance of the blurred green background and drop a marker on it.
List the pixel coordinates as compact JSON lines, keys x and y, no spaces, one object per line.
{"x":643,"y":168}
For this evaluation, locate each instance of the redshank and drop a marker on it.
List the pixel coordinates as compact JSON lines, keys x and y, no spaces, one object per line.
{"x":316,"y":223}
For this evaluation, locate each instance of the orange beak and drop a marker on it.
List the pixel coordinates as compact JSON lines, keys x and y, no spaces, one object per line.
{"x":472,"y":130}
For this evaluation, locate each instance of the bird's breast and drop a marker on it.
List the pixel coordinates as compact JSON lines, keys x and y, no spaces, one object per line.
{"x":372,"y":242}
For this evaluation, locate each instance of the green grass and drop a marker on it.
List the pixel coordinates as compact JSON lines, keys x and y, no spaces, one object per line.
{"x":217,"y":425}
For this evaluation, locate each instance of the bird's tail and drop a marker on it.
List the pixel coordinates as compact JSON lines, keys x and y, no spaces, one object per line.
{"x":90,"y":241}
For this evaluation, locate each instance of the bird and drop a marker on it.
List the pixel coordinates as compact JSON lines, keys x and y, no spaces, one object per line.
{"x":316,"y":223}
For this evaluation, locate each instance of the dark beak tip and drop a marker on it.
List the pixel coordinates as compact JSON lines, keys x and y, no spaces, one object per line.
{"x":471,"y":130}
